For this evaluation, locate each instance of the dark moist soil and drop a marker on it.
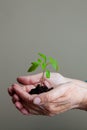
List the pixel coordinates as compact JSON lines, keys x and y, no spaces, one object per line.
{"x":40,"y":89}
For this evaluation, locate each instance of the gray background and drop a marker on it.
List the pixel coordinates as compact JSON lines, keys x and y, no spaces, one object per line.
{"x":57,"y":28}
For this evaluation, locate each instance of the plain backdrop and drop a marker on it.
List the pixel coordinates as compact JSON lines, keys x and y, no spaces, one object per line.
{"x":57,"y":28}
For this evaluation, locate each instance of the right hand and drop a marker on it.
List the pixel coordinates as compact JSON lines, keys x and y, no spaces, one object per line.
{"x":29,"y":82}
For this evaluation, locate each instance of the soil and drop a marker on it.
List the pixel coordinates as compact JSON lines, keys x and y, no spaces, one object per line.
{"x":40,"y":89}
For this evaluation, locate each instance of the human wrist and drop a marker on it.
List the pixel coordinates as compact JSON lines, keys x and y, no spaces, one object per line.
{"x":83,"y":104}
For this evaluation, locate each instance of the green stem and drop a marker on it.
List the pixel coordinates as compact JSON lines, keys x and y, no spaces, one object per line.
{"x":42,"y":78}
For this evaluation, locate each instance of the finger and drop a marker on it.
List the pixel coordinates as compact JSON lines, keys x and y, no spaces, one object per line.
{"x":28,"y":88}
{"x":10,"y":91}
{"x":32,"y":79}
{"x":18,"y":105}
{"x":22,"y":94}
{"x":24,"y":111}
{"x":15,"y":98}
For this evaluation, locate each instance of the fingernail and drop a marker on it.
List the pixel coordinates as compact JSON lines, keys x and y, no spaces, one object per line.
{"x":37,"y":100}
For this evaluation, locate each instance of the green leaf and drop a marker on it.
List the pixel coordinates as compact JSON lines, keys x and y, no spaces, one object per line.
{"x":47,"y":74}
{"x":42,"y":56}
{"x":54,"y":63}
{"x":33,"y":67}
{"x":35,"y":63}
{"x":39,"y":60}
{"x":43,"y":66}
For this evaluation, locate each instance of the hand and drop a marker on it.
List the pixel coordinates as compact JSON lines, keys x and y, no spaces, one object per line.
{"x":67,"y":94}
{"x":29,"y":82}
{"x":33,"y":80}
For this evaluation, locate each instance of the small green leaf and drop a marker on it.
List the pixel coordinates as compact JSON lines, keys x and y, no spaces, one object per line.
{"x":54,"y":63}
{"x":43,"y":66}
{"x":33,"y":67}
{"x":42,"y":56}
{"x":39,"y":60}
{"x":47,"y":74}
{"x":35,"y":63}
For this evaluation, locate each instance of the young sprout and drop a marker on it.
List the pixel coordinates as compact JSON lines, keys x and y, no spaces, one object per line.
{"x":43,"y":62}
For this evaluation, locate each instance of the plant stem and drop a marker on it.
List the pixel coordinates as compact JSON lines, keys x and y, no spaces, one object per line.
{"x":42,"y":78}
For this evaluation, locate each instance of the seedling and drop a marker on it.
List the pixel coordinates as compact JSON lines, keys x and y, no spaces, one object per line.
{"x":43,"y":61}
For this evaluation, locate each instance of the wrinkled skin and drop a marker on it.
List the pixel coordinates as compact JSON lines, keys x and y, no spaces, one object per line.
{"x":67,"y":94}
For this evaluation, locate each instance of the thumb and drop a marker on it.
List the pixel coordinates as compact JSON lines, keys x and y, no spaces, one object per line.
{"x":44,"y":98}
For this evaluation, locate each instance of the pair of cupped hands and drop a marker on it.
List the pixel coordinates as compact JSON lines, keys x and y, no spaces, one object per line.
{"x":67,"y":94}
